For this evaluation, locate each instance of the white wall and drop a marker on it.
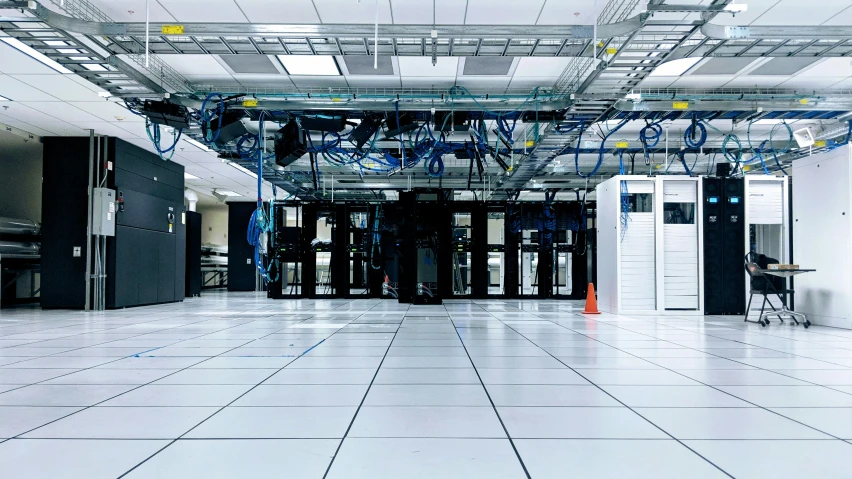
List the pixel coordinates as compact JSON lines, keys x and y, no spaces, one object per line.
{"x":822,"y":237}
{"x":214,"y":224}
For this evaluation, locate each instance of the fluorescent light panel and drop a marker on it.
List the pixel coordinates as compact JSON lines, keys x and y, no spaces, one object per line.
{"x":30,"y":52}
{"x":190,"y":176}
{"x":676,"y":67}
{"x":226,"y":192}
{"x":315,"y":65}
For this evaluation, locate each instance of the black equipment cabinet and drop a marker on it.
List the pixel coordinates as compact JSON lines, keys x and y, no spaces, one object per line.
{"x":146,"y":257}
{"x":193,"y":254}
{"x":241,"y":262}
{"x":724,"y":246}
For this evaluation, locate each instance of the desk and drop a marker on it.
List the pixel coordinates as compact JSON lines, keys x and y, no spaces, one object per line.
{"x":784,"y":273}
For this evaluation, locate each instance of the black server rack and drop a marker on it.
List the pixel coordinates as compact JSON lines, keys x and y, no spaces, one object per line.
{"x":724,"y":246}
{"x":193,"y":254}
{"x":242,"y":269}
{"x":146,"y":257}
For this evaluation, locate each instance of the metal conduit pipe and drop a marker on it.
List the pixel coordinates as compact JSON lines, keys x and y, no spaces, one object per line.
{"x":19,"y":248}
{"x":15,"y":226}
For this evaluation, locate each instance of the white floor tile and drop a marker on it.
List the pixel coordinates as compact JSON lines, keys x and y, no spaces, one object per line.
{"x":125,"y":423}
{"x":226,"y":459}
{"x":431,"y":421}
{"x":797,"y":459}
{"x":653,"y":459}
{"x":426,"y":458}
{"x":577,"y":423}
{"x":304,"y":395}
{"x":73,"y":459}
{"x":16,"y":420}
{"x":179,"y":395}
{"x":727,"y":423}
{"x":276,"y":423}
{"x":834,"y":421}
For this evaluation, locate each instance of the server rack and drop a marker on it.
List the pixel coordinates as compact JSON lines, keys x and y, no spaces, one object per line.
{"x":724,"y":246}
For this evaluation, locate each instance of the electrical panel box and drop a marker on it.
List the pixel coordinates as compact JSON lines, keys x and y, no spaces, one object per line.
{"x":103,"y":212}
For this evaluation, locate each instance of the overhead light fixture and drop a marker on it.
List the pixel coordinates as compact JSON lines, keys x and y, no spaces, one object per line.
{"x":317,"y":65}
{"x":104,"y":94}
{"x":196,"y":143}
{"x":190,"y":176}
{"x":675,"y":68}
{"x":244,"y":170}
{"x":35,"y":55}
{"x":225,"y":193}
{"x":736,"y":8}
{"x":94,"y":67}
{"x":56,"y":43}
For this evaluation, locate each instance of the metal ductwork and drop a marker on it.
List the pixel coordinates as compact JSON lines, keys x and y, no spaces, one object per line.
{"x":15,"y":226}
{"x":18,"y":248}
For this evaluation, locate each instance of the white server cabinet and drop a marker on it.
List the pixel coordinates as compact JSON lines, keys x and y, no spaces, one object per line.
{"x":650,"y":245}
{"x":822,"y":236}
{"x":767,"y":222}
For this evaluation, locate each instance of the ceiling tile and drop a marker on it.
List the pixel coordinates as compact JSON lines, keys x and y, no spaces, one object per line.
{"x":428,"y":82}
{"x":103,"y":128}
{"x":205,"y":65}
{"x":264,"y":11}
{"x":722,"y":66}
{"x":107,"y":110}
{"x":17,"y":90}
{"x":422,"y":67}
{"x":307,"y":81}
{"x":481,"y":66}
{"x":811,"y":83}
{"x":529,"y":83}
{"x":446,"y":12}
{"x":783,"y":66}
{"x":249,"y":63}
{"x":704,"y":81}
{"x":483,"y":12}
{"x":569,"y":12}
{"x":204,"y":10}
{"x":60,"y":86}
{"x":829,"y":67}
{"x":278,"y":80}
{"x":484,"y":83}
{"x":62,"y":111}
{"x":541,"y":67}
{"x":799,"y":12}
{"x":132,"y":10}
{"x":29,"y":128}
{"x":349,"y":11}
{"x":364,"y":65}
{"x":13,"y":61}
{"x":755,"y":81}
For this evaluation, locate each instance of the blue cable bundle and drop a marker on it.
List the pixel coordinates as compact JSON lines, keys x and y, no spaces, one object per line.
{"x":690,"y":132}
{"x":601,"y":150}
{"x":649,"y":136}
{"x":155,"y":138}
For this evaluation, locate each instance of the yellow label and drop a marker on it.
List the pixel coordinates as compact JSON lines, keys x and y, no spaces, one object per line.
{"x":680,"y":105}
{"x":250,"y":102}
{"x":611,"y":51}
{"x":336,"y":100}
{"x":803,"y":101}
{"x":819,"y":143}
{"x":746,"y":168}
{"x":530,"y":143}
{"x":622,"y":144}
{"x":600,"y":44}
{"x":172,"y":29}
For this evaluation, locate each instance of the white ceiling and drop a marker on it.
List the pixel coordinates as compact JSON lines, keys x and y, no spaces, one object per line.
{"x":46,"y":103}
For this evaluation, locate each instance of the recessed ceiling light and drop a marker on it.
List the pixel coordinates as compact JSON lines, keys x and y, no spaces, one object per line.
{"x":319,"y":65}
{"x":35,"y":55}
{"x":226,"y":192}
{"x":94,"y":67}
{"x":675,"y":68}
{"x":56,"y":43}
{"x":104,"y":94}
{"x":189,"y":176}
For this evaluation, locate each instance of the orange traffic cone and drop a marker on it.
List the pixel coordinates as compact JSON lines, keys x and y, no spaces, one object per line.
{"x":591,"y":301}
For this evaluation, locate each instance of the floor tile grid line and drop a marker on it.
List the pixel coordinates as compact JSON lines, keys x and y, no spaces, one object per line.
{"x":233,"y":401}
{"x":136,"y":354}
{"x":715,"y":356}
{"x":722,"y":391}
{"x":493,"y":406}
{"x":122,"y":339}
{"x":89,"y":317}
{"x":132,"y":389}
{"x":761,"y":332}
{"x":361,"y":404}
{"x":624,"y":404}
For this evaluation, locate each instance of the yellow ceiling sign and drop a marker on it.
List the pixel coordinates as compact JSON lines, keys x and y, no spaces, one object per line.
{"x":622,"y":144}
{"x":250,"y":102}
{"x":172,"y":29}
{"x":680,"y":105}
